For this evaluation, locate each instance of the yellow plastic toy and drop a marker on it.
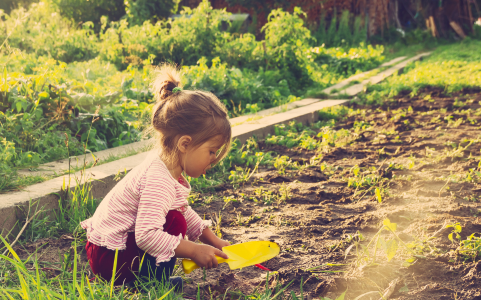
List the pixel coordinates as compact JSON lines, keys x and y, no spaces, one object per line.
{"x":241,"y":255}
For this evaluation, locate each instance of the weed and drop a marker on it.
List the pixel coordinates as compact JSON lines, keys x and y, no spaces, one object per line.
{"x":284,"y":194}
{"x":470,"y":248}
{"x":281,"y":163}
{"x":217,"y":220}
{"x":229,"y":199}
{"x":341,"y":297}
{"x":366,"y":255}
{"x":346,"y":240}
{"x":369,"y":181}
{"x":455,"y":232}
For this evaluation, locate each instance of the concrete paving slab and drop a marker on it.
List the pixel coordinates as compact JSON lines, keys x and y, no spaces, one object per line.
{"x":357,"y":88}
{"x":242,"y":119}
{"x":394,"y":61}
{"x":60,"y":166}
{"x":262,"y":127}
{"x":345,"y":82}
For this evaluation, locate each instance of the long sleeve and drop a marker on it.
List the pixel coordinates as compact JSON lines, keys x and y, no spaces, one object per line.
{"x":195,"y":225}
{"x":156,"y":199}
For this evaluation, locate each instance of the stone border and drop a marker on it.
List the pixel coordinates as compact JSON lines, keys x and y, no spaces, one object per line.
{"x":60,"y":167}
{"x":103,"y":178}
{"x":357,"y":88}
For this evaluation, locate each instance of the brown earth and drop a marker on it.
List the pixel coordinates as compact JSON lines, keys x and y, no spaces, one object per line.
{"x":421,"y":157}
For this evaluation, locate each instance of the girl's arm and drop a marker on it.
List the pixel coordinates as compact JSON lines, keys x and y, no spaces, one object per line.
{"x":202,"y":255}
{"x":197,"y":229}
{"x":208,"y":237}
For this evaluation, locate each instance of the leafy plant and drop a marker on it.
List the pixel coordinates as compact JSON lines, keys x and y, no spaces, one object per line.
{"x":366,"y":255}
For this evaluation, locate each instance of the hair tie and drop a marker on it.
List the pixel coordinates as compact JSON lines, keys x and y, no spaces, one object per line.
{"x":176,"y":89}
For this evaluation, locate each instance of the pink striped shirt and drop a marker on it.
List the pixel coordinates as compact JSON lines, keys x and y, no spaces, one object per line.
{"x":139,"y":203}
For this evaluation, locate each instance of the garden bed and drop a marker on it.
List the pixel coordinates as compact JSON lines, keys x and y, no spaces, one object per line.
{"x":414,"y":161}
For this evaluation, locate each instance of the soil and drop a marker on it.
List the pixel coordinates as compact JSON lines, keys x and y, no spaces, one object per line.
{"x":420,"y":147}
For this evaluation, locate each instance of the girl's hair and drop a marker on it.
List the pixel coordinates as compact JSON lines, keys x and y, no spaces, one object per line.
{"x":197,"y":114}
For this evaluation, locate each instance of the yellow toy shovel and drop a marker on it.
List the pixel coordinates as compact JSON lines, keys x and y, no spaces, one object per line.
{"x":241,"y":255}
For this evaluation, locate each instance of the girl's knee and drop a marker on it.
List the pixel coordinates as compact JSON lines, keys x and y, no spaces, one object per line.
{"x":175,"y":223}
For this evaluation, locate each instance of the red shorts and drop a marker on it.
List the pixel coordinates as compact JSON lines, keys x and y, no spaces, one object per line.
{"x":101,"y":259}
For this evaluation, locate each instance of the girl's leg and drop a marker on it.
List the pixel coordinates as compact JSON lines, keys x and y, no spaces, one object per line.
{"x":101,"y":259}
{"x":150,"y":271}
{"x":175,"y":224}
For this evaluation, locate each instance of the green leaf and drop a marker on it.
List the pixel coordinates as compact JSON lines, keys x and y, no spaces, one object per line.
{"x":391,"y":249}
{"x":388,"y":224}
{"x":43,"y":95}
{"x":342,"y":296}
{"x":378,"y":195}
{"x":404,"y":289}
{"x":381,"y":243}
{"x":165,"y":295}
{"x":18,"y":105}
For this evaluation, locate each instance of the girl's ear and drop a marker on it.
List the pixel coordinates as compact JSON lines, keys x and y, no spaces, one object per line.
{"x":183,"y":143}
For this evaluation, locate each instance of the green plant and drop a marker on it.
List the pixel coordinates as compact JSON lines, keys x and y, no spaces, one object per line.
{"x":284,"y":194}
{"x":366,"y":255}
{"x":440,"y":69}
{"x":217,"y":220}
{"x":470,"y":248}
{"x":341,"y":297}
{"x":140,"y":11}
{"x":281,"y":163}
{"x":347,"y":240}
{"x":456,"y":231}
{"x":369,"y":181}
{"x":29,"y":280}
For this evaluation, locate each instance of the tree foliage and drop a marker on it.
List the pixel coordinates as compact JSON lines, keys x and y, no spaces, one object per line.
{"x":91,"y":10}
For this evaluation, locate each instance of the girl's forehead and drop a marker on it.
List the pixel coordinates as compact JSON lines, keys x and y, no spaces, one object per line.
{"x":215,"y":142}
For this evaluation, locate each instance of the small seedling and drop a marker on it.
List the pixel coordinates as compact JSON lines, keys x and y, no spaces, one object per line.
{"x":284,"y":194}
{"x":281,"y":163}
{"x":456,"y":231}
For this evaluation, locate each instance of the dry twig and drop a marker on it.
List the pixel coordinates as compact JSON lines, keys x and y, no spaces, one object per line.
{"x":23,"y":228}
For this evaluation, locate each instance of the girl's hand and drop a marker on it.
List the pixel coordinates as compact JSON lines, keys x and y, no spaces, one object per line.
{"x":208,"y":237}
{"x":204,"y":256}
{"x":220,"y":243}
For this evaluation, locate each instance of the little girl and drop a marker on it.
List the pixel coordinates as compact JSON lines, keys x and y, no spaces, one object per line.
{"x":146,"y":216}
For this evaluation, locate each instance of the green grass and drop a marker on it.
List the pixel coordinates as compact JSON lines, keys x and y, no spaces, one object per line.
{"x":451,"y":68}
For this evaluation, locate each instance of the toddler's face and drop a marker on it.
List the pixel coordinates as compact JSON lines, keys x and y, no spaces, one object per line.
{"x":197,"y":161}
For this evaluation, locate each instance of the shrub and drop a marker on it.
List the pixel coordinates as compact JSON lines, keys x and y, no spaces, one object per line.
{"x":41,"y":30}
{"x":91,"y":10}
{"x":139,"y":11}
{"x":286,"y":38}
{"x":238,"y":88}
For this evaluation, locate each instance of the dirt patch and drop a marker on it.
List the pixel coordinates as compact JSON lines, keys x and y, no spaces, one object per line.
{"x":422,"y":151}
{"x":416,"y":144}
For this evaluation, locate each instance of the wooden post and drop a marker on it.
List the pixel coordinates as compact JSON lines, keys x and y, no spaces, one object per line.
{"x":471,"y":19}
{"x":458,"y":29}
{"x":433,"y":27}
{"x":396,"y":14}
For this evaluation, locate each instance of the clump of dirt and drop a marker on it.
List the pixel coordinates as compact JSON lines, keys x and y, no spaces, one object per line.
{"x":423,"y":149}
